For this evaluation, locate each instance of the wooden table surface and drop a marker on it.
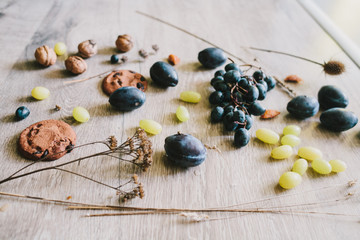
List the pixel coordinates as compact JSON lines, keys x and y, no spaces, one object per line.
{"x":231,"y":177}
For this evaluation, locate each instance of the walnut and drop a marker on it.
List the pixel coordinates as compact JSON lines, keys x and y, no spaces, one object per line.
{"x":124,"y":43}
{"x":45,"y":56}
{"x":87,"y":48}
{"x":75,"y":64}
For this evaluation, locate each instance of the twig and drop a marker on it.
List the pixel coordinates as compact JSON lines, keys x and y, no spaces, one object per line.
{"x":88,"y":78}
{"x":189,"y":33}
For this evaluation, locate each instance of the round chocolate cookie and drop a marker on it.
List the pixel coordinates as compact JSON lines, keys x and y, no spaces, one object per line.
{"x":123,"y":78}
{"x":46,"y":138}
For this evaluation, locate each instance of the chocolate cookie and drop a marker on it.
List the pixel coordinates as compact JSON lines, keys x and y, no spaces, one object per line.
{"x":123,"y":78}
{"x":46,"y":138}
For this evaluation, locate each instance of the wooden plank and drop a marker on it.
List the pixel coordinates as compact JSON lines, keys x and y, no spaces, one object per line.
{"x":232,"y":177}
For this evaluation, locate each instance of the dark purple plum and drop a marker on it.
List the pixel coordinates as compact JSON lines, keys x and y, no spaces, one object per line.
{"x":330,"y":97}
{"x":338,"y":119}
{"x":127,"y":98}
{"x":212,"y":57}
{"x":303,"y":107}
{"x":164,"y":74}
{"x":185,"y":150}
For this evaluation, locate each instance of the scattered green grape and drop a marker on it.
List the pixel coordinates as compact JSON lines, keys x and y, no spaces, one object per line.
{"x":60,"y":48}
{"x":150,"y":126}
{"x":281,"y":152}
{"x":267,"y":135}
{"x":182,"y":114}
{"x":337,"y":165}
{"x":310,"y":153}
{"x":292,"y":129}
{"x":321,"y":166}
{"x":80,"y":114}
{"x":300,"y":166}
{"x":290,"y":180}
{"x":40,"y":93}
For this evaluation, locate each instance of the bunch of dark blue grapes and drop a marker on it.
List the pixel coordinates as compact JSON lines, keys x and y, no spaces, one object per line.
{"x":236,"y":98}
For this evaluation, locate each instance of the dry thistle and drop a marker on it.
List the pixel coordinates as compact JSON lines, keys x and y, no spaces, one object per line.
{"x":331,"y":67}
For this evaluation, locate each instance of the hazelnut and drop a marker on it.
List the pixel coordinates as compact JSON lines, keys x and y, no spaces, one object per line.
{"x":87,"y":48}
{"x":45,"y":56}
{"x":124,"y":43}
{"x":75,"y":64}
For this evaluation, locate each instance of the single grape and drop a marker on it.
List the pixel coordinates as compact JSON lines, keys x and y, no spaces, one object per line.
{"x":216,"y":79}
{"x":239,"y":116}
{"x":216,"y":97}
{"x":244,"y":83}
{"x":219,"y":73}
{"x":80,"y":114}
{"x":262,"y":91}
{"x":252,"y":94}
{"x":258,"y":75}
{"x":221,"y":86}
{"x":241,"y":137}
{"x":114,"y":59}
{"x":232,"y":66}
{"x":217,"y":114}
{"x":40,"y":93}
{"x":249,"y":121}
{"x":182,"y":114}
{"x":60,"y":48}
{"x":22,"y":112}
{"x":263,"y":83}
{"x":227,"y":96}
{"x":270,"y":82}
{"x":232,"y":76}
{"x":228,"y":109}
{"x":256,"y":109}
{"x":229,"y":124}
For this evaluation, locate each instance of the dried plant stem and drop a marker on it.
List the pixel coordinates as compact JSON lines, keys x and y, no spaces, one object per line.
{"x":88,"y":78}
{"x":220,"y":210}
{"x":90,"y":179}
{"x":44,"y":158}
{"x":349,"y":184}
{"x":53,"y":167}
{"x":189,"y":33}
{"x":287,"y":54}
{"x":288,"y":90}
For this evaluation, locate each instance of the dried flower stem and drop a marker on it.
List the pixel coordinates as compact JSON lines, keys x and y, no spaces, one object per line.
{"x":136,"y":150}
{"x":330,"y":67}
{"x":189,"y":33}
{"x":288,"y":90}
{"x":88,"y":78}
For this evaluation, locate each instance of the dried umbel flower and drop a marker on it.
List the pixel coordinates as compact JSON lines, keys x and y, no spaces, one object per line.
{"x":124,"y":43}
{"x":87,"y":48}
{"x":45,"y":56}
{"x":75,"y":64}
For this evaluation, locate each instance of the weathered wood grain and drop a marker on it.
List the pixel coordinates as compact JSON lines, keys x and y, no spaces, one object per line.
{"x":232,"y":177}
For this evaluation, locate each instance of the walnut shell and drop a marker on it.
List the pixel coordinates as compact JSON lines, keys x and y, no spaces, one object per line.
{"x":124,"y":43}
{"x":87,"y":48}
{"x":45,"y":56}
{"x":75,"y":64}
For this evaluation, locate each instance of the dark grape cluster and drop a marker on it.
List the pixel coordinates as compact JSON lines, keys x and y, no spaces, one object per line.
{"x":236,"y":98}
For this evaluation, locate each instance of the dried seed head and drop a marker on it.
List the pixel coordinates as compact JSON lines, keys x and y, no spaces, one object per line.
{"x":334,"y":67}
{"x":135,"y":178}
{"x":143,"y":53}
